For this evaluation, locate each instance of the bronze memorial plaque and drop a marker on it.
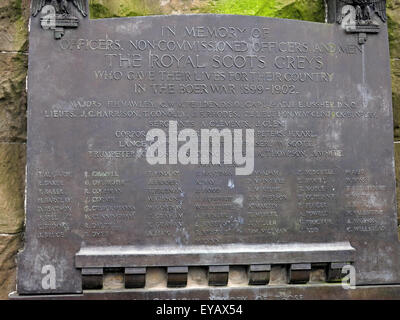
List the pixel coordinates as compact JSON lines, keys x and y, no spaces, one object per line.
{"x":208,"y":141}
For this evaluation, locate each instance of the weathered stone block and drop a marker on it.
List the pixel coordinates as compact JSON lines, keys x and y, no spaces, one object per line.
{"x":13,"y":97}
{"x":12,"y":176}
{"x":393,"y":13}
{"x":14,"y":17}
{"x":9,"y":246}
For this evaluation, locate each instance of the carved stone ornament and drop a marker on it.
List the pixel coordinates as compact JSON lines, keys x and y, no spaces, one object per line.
{"x":56,"y":14}
{"x":361,"y":16}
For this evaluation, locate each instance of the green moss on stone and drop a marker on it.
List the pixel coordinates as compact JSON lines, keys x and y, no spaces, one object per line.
{"x":245,"y":7}
{"x":12,"y":12}
{"x":309,"y":10}
{"x":396,"y":115}
{"x":126,"y":11}
{"x":393,"y":13}
{"x":13,"y":25}
{"x":98,"y":11}
{"x":395,"y":66}
{"x":394,"y":37}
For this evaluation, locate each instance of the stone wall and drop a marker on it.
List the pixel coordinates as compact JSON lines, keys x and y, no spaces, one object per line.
{"x":14,"y":15}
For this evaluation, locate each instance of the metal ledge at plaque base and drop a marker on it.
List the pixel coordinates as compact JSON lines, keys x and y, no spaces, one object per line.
{"x":149,"y":256}
{"x":292,"y":292}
